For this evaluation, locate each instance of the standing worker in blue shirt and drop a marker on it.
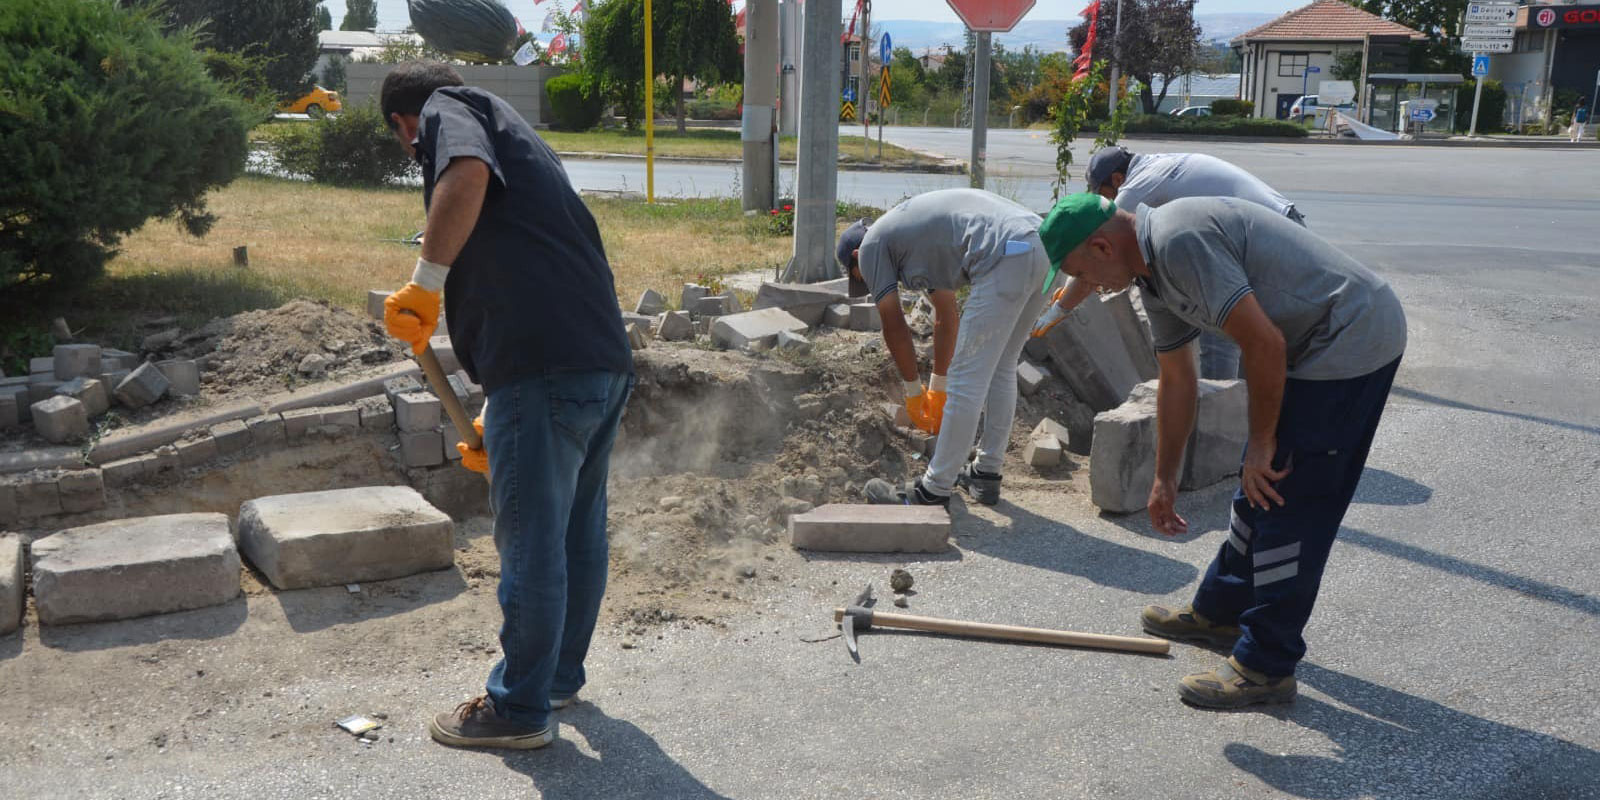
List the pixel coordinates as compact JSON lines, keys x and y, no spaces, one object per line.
{"x":533,"y":317}
{"x":1322,"y":337}
{"x":1155,"y":180}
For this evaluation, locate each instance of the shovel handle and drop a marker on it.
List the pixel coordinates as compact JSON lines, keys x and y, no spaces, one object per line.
{"x":452,"y":404}
{"x":1015,"y":633}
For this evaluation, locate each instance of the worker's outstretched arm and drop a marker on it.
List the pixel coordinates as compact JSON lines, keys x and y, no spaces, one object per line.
{"x":1066,"y":298}
{"x":1265,"y":369}
{"x":1175,"y":399}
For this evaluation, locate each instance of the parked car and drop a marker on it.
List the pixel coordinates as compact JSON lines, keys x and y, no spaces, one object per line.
{"x":315,"y":103}
{"x":1307,"y":107}
{"x":1192,"y":111}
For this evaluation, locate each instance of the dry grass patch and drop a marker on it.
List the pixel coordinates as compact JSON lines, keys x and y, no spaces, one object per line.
{"x":712,"y":143}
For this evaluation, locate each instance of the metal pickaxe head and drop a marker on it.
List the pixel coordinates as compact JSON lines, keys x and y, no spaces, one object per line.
{"x":857,"y":617}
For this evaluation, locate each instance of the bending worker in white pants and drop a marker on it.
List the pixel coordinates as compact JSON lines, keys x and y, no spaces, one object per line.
{"x":937,"y":243}
{"x":1155,"y":180}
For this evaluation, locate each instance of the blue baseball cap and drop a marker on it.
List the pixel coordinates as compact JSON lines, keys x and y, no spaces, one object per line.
{"x":849,"y":243}
{"x":1105,"y":162}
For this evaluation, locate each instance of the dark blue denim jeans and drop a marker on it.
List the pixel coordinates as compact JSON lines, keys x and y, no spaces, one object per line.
{"x":1267,"y":572}
{"x":549,"y":439}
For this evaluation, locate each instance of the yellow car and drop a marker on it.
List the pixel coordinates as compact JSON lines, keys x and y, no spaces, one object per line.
{"x":317,"y":102}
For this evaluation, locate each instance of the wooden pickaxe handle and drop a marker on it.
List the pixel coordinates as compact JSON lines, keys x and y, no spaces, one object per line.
{"x":452,"y":404}
{"x":1015,"y":633}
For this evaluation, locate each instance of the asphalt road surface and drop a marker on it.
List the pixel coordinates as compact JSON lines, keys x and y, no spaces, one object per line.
{"x":1452,"y":653}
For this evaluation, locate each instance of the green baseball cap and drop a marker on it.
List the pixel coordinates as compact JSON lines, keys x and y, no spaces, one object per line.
{"x":1069,"y":224}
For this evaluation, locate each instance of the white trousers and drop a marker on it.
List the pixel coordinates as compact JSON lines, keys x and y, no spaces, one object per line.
{"x":995,"y":323}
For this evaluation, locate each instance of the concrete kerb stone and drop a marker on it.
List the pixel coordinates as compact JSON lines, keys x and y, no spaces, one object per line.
{"x":11,"y":586}
{"x":1135,"y":333}
{"x":1030,"y":377}
{"x":42,"y":365}
{"x":837,"y":316}
{"x":417,"y":411}
{"x":91,"y":392}
{"x":231,"y":436}
{"x":123,"y":445}
{"x":676,"y":326}
{"x":421,"y":449}
{"x":355,"y":390}
{"x":377,"y":413}
{"x":865,"y":317}
{"x":714,"y":305}
{"x":808,"y":302}
{"x":128,"y":471}
{"x":40,"y":458}
{"x":142,"y":387}
{"x":81,"y":490}
{"x":871,"y":529}
{"x":134,"y":568}
{"x":1042,"y":450}
{"x":76,"y":360}
{"x":344,"y":536}
{"x":267,"y":429}
{"x":1088,"y":352}
{"x":650,"y":303}
{"x":183,"y":375}
{"x":1221,"y":430}
{"x":754,"y":329}
{"x":60,"y":419}
{"x":1122,"y":461}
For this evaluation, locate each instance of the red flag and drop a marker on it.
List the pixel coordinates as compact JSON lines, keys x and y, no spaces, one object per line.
{"x":558,"y":45}
{"x":1085,"y":58}
{"x":520,"y":30}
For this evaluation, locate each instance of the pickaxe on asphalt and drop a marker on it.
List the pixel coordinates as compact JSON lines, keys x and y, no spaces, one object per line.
{"x":859,"y":616}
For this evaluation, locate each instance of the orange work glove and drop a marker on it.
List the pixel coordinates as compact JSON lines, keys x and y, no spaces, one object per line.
{"x":933,"y":408}
{"x":411,"y":314}
{"x":1052,"y":316}
{"x":475,"y":458}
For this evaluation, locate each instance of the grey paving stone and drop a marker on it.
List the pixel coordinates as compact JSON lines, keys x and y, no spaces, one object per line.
{"x":128,"y":471}
{"x":91,"y":392}
{"x":692,"y":292}
{"x":1042,"y":450}
{"x":265,"y":429}
{"x":142,"y":387}
{"x":421,"y":449}
{"x":837,"y":316}
{"x":9,"y":512}
{"x":183,"y":375}
{"x":871,"y":529}
{"x":377,"y":413}
{"x":865,"y":317}
{"x":675,"y":326}
{"x":60,"y":419}
{"x":754,"y":329}
{"x":38,"y":496}
{"x":808,"y":302}
{"x":76,"y":360}
{"x":135,"y":567}
{"x":81,"y":490}
{"x":650,"y":303}
{"x":344,"y":536}
{"x":198,"y":451}
{"x":300,"y":421}
{"x":231,"y":436}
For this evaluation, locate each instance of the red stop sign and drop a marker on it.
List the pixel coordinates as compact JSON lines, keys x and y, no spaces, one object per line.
{"x":991,"y":15}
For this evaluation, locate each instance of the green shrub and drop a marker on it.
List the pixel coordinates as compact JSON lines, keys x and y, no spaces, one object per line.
{"x":711,"y":108}
{"x":1227,"y":107}
{"x":1213,"y":126}
{"x":352,"y":148}
{"x":1491,"y":116}
{"x":575,"y":102}
{"x":105,"y":122}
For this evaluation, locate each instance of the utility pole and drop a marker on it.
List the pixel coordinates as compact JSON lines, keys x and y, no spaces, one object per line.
{"x":789,"y":93}
{"x":863,"y":93}
{"x":760,"y":95}
{"x":818,"y":168}
{"x":649,"y":110}
{"x":1116,"y":34}
{"x":980,"y":109}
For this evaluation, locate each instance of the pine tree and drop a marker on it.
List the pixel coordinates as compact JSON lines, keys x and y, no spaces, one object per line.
{"x":360,"y":15}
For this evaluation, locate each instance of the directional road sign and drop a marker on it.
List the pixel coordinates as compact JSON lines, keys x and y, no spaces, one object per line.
{"x":884,"y":49}
{"x":1423,"y":115}
{"x":1486,"y":45}
{"x":1480,"y":65}
{"x":1502,"y":13}
{"x":991,"y":15}
{"x":1483,"y":30}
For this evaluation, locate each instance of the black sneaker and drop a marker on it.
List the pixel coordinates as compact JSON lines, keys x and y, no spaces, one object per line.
{"x":983,"y":486}
{"x":881,"y":492}
{"x":476,"y":724}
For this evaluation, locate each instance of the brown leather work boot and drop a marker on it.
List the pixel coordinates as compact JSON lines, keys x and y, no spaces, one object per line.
{"x":1185,"y":625}
{"x":475,"y":724}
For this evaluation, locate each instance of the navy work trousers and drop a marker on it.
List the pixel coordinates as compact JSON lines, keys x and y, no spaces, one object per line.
{"x":1266,"y":574}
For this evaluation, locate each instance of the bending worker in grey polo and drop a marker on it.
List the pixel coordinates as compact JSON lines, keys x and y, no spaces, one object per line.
{"x":1155,"y":180}
{"x":937,"y":243}
{"x":1322,"y":337}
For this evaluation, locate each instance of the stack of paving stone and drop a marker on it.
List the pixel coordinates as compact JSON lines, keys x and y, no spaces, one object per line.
{"x":77,"y":383}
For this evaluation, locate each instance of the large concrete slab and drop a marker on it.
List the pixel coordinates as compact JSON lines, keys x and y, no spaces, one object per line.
{"x":344,"y":536}
{"x":806,"y":301}
{"x":1089,"y":354}
{"x":754,"y":329}
{"x":1221,"y":429}
{"x":854,"y":528}
{"x":1134,"y":331}
{"x":135,"y":567}
{"x":11,"y":588}
{"x":1122,"y":459}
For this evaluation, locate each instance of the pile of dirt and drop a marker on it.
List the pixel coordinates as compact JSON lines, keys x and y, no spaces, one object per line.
{"x":273,"y":350}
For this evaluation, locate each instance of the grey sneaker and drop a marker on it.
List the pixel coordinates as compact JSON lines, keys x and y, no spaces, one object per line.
{"x":881,"y":492}
{"x":475,"y":724}
{"x":983,"y":486}
{"x":563,"y":700}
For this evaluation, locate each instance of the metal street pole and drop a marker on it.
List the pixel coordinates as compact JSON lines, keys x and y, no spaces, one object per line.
{"x":760,"y":95}
{"x":980,"y":110}
{"x":1115,"y":35}
{"x":863,"y":93}
{"x":789,"y":95}
{"x":817,"y":171}
{"x":1477,"y":100}
{"x":649,"y":111}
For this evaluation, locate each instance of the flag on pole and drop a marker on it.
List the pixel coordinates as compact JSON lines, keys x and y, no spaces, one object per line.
{"x":582,"y":7}
{"x":525,"y":55}
{"x":537,"y":2}
{"x":520,"y":30}
{"x":1085,"y":59}
{"x":549,"y":21}
{"x":558,"y":45}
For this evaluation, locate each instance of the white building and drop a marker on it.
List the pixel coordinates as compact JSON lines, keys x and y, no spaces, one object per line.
{"x":1279,"y":56}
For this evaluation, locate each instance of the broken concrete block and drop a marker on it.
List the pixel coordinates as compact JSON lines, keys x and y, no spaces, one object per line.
{"x":142,"y":387}
{"x":754,"y":329}
{"x":692,"y":292}
{"x":421,"y":449}
{"x":313,"y":365}
{"x":732,"y":305}
{"x":345,"y":536}
{"x":648,"y":323}
{"x":135,"y":567}
{"x":197,"y":451}
{"x":676,"y":326}
{"x":88,"y":391}
{"x":417,"y":411}
{"x":231,"y":436}
{"x":864,"y":317}
{"x":159,"y":341}
{"x":167,"y":458}
{"x":650,"y":303}
{"x":793,"y":342}
{"x":808,"y":302}
{"x":76,"y":361}
{"x":1135,"y":332}
{"x":1030,"y":377}
{"x":871,"y":529}
{"x":1221,"y":430}
{"x":11,"y":600}
{"x":1043,"y":450}
{"x":43,"y":365}
{"x":714,"y":305}
{"x":1122,"y":461}
{"x":1089,"y":354}
{"x":112,"y":359}
{"x":375,"y":298}
{"x":377,"y":414}
{"x":398,"y":386}
{"x":266,"y":429}
{"x":38,"y":496}
{"x":81,"y":490}
{"x":113,"y":378}
{"x":837,"y":316}
{"x":10,"y":412}
{"x":60,"y":419}
{"x":299,"y":422}
{"x":42,"y":387}
{"x":128,"y":471}
{"x":183,"y":375}
{"x":637,"y":338}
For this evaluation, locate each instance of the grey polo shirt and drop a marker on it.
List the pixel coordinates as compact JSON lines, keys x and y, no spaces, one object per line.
{"x":942,"y":240}
{"x":1155,"y":180}
{"x":1205,"y":254}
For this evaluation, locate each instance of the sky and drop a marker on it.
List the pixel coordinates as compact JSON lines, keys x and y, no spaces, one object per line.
{"x":392,"y":14}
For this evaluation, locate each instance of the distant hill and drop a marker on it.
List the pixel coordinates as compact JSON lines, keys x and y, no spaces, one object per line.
{"x":1045,"y":34}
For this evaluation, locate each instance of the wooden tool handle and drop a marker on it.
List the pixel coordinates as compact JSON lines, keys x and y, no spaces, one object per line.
{"x":1015,"y":633}
{"x":452,"y":404}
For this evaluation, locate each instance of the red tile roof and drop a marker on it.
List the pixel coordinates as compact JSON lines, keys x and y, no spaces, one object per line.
{"x":1326,"y":20}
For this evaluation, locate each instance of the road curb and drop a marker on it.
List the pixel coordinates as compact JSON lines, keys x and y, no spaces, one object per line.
{"x":947,"y":167}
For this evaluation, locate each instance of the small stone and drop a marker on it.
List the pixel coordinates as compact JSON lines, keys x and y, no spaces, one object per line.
{"x":900,"y":601}
{"x":900,"y":580}
{"x":313,"y":365}
{"x":670,"y":503}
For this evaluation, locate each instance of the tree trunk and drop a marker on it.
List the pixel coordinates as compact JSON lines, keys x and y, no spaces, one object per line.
{"x":1146,"y":99}
{"x":677,"y":91}
{"x":1166,"y":84}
